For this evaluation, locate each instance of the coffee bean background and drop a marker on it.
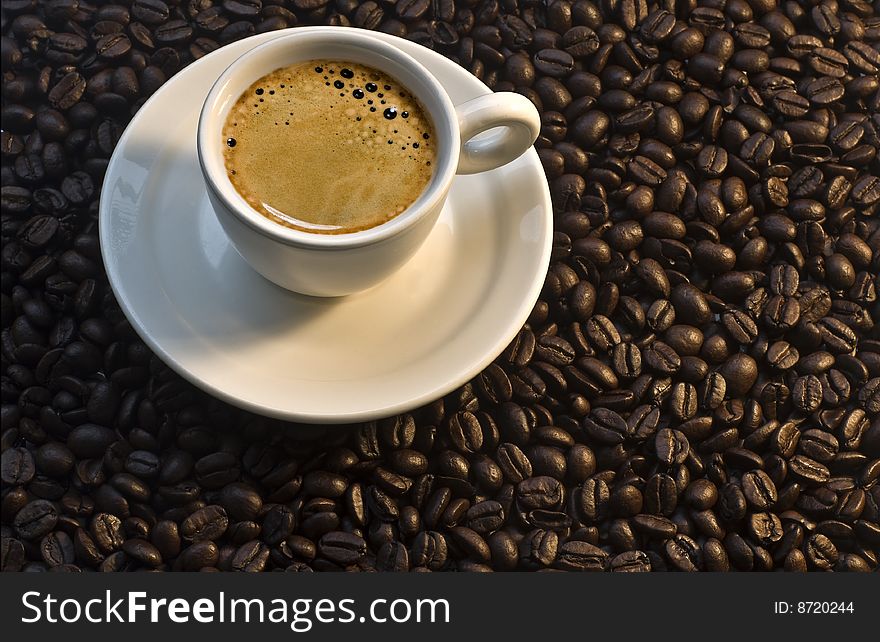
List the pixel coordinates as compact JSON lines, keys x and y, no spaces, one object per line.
{"x":698,"y":387}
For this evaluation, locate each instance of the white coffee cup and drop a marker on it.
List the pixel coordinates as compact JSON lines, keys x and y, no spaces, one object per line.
{"x":340,"y":264}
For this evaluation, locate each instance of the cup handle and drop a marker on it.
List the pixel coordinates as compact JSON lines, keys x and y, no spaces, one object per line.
{"x":518,"y":126}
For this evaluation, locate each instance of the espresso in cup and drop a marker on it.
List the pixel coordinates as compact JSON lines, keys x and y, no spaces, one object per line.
{"x":329,"y":147}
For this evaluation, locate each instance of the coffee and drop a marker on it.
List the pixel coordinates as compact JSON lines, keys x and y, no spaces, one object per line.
{"x":329,"y":147}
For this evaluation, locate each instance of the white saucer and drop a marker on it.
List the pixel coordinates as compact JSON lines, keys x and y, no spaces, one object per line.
{"x":428,"y":329}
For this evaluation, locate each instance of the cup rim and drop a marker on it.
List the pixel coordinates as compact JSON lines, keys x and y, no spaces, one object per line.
{"x":439,"y":107}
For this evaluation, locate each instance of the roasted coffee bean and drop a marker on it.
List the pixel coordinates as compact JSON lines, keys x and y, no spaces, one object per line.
{"x":630,"y":562}
{"x":107,"y":532}
{"x":660,"y":315}
{"x":765,"y":528}
{"x":17,"y":466}
{"x":591,"y":501}
{"x":838,"y":337}
{"x":627,"y":360}
{"x":166,"y":539}
{"x":393,"y":557}
{"x":208,"y":523}
{"x":429,"y":549}
{"x":808,"y":470}
{"x":580,"y":41}
{"x":654,"y":526}
{"x":151,"y":12}
{"x":602,"y":332}
{"x":645,"y":171}
{"x":581,"y":556}
{"x":606,"y":426}
{"x":701,"y":494}
{"x":661,"y":358}
{"x":67,"y":91}
{"x":683,"y":401}
{"x":485,"y":517}
{"x":759,"y":489}
{"x":683,"y":553}
{"x":142,"y":551}
{"x":539,"y":493}
{"x":471,"y":544}
{"x":782,"y":355}
{"x":661,"y":495}
{"x":513,"y":463}
{"x":250,"y":557}
{"x":807,"y":393}
{"x":36,"y":519}
{"x":113,"y":46}
{"x":278,"y":524}
{"x":869,"y":396}
{"x":555,"y":63}
{"x":671,"y":446}
{"x":821,"y":553}
{"x":538,"y":548}
{"x":465,"y":432}
{"x":173,"y":33}
{"x":57,"y":549}
{"x":341,"y":547}
{"x":527,"y":385}
{"x":199,"y":556}
{"x":740,"y":326}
